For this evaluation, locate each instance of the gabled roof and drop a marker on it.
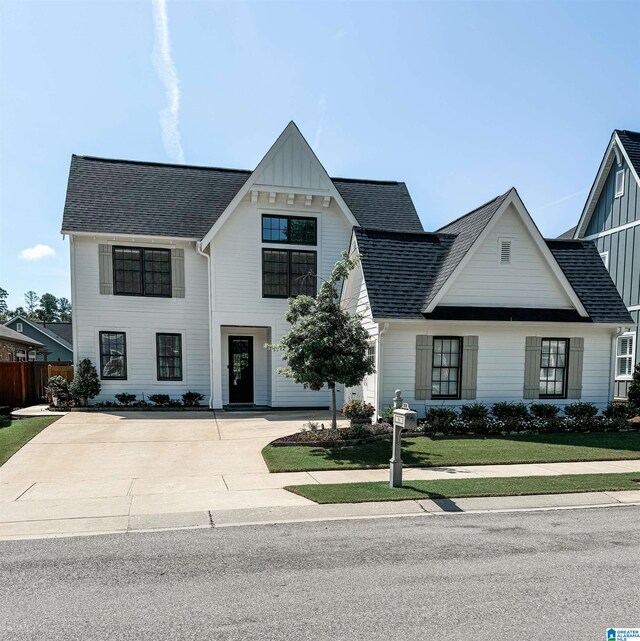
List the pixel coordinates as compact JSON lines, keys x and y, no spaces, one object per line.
{"x":51,"y":330}
{"x":107,"y":196}
{"x":623,"y":144}
{"x":403,"y":271}
{"x":7,"y":334}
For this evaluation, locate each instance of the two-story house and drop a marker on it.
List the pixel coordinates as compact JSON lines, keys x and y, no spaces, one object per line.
{"x":180,"y":275}
{"x":611,"y":218}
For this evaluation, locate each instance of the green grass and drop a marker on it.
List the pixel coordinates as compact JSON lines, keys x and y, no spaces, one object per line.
{"x":462,"y":488}
{"x":16,"y":433}
{"x":425,"y":451}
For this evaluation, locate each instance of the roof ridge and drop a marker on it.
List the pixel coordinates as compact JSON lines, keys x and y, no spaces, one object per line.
{"x":627,"y":131}
{"x":151,"y":163}
{"x":368,"y":181}
{"x":473,"y":211}
{"x":399,"y":232}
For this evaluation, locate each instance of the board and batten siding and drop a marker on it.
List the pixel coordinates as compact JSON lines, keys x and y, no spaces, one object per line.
{"x":141,"y":318}
{"x":527,"y":281}
{"x":501,"y":360}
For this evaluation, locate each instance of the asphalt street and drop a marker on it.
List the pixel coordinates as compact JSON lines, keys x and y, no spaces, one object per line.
{"x":567,"y":574}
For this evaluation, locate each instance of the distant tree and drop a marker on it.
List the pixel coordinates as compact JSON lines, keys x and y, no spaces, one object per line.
{"x":325,"y":344}
{"x":48,"y":310}
{"x":64,"y":310}
{"x":4,"y":310}
{"x":31,"y":301}
{"x":18,"y":311}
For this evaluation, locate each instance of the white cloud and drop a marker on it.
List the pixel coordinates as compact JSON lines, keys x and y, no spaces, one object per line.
{"x":322,"y":110}
{"x":339,"y":34}
{"x":166,"y":70}
{"x":37,"y":252}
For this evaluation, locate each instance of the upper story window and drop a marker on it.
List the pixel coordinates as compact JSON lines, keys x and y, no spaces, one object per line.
{"x":294,"y":230}
{"x":619,"y":183}
{"x":553,"y":368}
{"x":625,"y":352}
{"x":141,"y":271}
{"x":446,"y":367}
{"x":288,"y":273}
{"x":19,"y":327}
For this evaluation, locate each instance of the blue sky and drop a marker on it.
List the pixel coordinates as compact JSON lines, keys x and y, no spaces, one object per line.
{"x":460,"y":100}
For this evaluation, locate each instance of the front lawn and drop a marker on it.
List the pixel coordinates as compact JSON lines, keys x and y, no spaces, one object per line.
{"x":464,"y":488}
{"x":14,"y":433}
{"x":424,"y":451}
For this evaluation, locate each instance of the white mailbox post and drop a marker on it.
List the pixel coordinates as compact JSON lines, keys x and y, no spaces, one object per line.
{"x":403,"y":418}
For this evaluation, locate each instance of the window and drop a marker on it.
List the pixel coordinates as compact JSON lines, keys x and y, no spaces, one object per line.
{"x":169,"y":357}
{"x":19,"y":327}
{"x":625,"y":353}
{"x":505,"y":251}
{"x":141,"y":271}
{"x":605,"y":258}
{"x":113,"y":355}
{"x":553,"y":368}
{"x":445,"y":373}
{"x":288,"y":273}
{"x":619,"y":183}
{"x":293,"y":230}
{"x":371,"y":354}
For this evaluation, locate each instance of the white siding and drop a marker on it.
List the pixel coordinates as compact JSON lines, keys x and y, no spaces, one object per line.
{"x":141,"y":318}
{"x":501,"y":356}
{"x":527,"y":281}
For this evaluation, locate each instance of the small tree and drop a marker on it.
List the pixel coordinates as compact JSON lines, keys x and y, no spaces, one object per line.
{"x":86,"y":383}
{"x":633,"y":393}
{"x":325,"y":344}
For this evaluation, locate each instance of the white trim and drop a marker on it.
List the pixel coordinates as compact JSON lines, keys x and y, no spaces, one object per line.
{"x":634,"y":308}
{"x":605,"y":258}
{"x":115,"y":237}
{"x":512,"y":198}
{"x":631,"y":355}
{"x":289,"y":130}
{"x":210,"y":317}
{"x":584,"y":325}
{"x":19,"y":327}
{"x":613,"y":230}
{"x":619,"y":189}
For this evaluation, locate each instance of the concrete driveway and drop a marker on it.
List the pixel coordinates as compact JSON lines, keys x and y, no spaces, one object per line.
{"x":104,"y":468}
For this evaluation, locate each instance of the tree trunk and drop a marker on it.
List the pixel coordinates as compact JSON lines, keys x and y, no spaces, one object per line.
{"x":334,"y":421}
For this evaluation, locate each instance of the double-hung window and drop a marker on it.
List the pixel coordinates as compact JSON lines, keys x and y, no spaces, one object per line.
{"x":446,"y":367}
{"x":553,"y":368}
{"x":113,"y":355}
{"x":169,"y":357}
{"x":141,"y":271}
{"x":625,"y":352}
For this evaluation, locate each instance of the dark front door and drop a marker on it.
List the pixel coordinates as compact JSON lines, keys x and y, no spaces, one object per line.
{"x":240,"y":369}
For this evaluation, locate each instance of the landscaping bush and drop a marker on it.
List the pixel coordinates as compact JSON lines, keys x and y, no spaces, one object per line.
{"x":86,"y":384}
{"x":473,"y":418}
{"x":512,"y":417}
{"x":125,"y":399}
{"x":57,"y":391}
{"x":543,"y":410}
{"x":440,"y":419}
{"x":160,"y":400}
{"x":633,"y":393}
{"x":581,"y":417}
{"x":192,"y":399}
{"x":357,"y":410}
{"x":618,"y":411}
{"x":312,"y":433}
{"x":387,"y":415}
{"x":474,"y":412}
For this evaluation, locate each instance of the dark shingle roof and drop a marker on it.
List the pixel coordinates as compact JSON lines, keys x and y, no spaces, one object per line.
{"x":60,"y":329}
{"x":631,"y":143}
{"x":583,"y":267}
{"x":568,"y":235}
{"x":10,"y":335}
{"x":403,"y":270}
{"x":119,"y":196}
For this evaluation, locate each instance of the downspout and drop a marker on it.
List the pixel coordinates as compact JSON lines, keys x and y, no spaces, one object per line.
{"x":381,"y":331}
{"x":210,"y":309}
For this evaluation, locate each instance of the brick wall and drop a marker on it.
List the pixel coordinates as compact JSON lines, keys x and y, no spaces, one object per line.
{"x":7,"y":351}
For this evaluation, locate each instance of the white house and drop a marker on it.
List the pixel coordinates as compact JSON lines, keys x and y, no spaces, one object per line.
{"x":485,"y":310}
{"x":181,"y":274}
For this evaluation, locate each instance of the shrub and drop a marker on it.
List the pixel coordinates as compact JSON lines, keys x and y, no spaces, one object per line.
{"x":633,"y":393}
{"x":357,"y":409}
{"x":387,"y":415}
{"x":440,"y":419}
{"x":580,"y":411}
{"x":474,"y":412}
{"x":617,"y":411}
{"x":543,"y":410}
{"x":57,"y":390}
{"x":86,"y":384}
{"x":192,"y":399}
{"x":106,"y":404}
{"x":125,"y":399}
{"x":160,"y":400}
{"x":505,"y":411}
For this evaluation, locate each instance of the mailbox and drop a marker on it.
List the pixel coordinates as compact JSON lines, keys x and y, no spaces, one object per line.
{"x":403,"y":418}
{"x":406,"y":419}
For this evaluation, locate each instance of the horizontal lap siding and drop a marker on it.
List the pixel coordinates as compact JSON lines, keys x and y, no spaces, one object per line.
{"x":501,"y":356}
{"x":141,"y":317}
{"x":527,"y":281}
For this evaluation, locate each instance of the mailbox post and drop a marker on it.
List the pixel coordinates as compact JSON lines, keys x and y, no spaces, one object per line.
{"x":403,"y":418}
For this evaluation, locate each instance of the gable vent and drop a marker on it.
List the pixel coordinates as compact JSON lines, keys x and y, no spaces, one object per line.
{"x":505,"y":251}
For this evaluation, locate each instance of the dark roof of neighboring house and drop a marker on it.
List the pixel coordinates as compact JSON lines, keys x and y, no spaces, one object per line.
{"x":7,"y":334}
{"x":631,"y":143}
{"x":568,"y":235}
{"x":183,"y":201}
{"x":404,"y":271}
{"x":59,"y":330}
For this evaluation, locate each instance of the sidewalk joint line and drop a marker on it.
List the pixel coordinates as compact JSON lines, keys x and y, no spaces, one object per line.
{"x":225,"y":482}
{"x":23,"y":493}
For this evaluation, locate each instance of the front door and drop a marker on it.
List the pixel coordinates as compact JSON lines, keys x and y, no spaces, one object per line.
{"x":240,"y":369}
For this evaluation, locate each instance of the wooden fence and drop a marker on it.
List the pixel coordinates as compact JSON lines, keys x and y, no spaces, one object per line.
{"x":66,"y":371}
{"x":22,"y":384}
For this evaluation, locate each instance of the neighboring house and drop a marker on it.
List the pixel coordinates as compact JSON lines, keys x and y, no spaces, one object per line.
{"x":55,"y":338}
{"x":181,"y":274}
{"x":611,"y":218}
{"x":485,"y":310}
{"x":17,"y":347}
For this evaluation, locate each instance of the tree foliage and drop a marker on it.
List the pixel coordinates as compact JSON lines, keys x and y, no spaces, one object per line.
{"x":86,"y":383}
{"x":47,"y":308}
{"x":633,"y":393}
{"x":325,"y":344}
